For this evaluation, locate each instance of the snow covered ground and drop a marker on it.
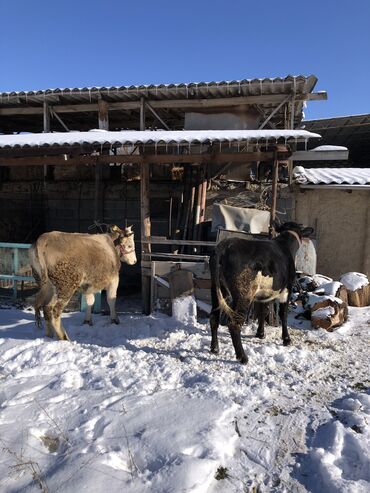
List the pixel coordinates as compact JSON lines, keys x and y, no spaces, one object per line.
{"x":144,"y":406}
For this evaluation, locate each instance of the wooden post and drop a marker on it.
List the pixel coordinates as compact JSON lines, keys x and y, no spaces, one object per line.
{"x":275,"y":176}
{"x":189,"y":206}
{"x":366,"y":256}
{"x":197,"y":204}
{"x":145,"y":233}
{"x":290,"y":163}
{"x":142,"y":113}
{"x":145,"y":220}
{"x":203,"y":203}
{"x":98,"y":195}
{"x":46,"y":127}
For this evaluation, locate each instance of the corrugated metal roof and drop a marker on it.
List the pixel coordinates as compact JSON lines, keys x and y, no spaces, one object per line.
{"x":133,"y":137}
{"x":20,"y":111}
{"x":244,"y":87}
{"x":352,"y":131}
{"x":331,"y":176}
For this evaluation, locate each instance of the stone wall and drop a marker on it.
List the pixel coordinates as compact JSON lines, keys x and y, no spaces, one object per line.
{"x":341,"y":219}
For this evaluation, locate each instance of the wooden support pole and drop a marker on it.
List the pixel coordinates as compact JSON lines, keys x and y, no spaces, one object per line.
{"x":145,"y":219}
{"x":145,"y":233}
{"x":268,"y":118}
{"x":46,"y":127}
{"x":98,"y":195}
{"x":46,"y":115}
{"x":275,"y":176}
{"x":55,"y":115}
{"x":203,"y":203}
{"x":197,"y":202}
{"x":103,"y":114}
{"x":142,"y":113}
{"x":366,"y":248}
{"x":157,"y":116}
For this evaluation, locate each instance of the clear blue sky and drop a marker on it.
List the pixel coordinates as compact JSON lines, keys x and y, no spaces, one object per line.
{"x":48,"y":44}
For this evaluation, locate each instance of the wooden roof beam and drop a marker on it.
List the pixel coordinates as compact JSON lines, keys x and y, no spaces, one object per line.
{"x":168,"y":103}
{"x":206,"y":158}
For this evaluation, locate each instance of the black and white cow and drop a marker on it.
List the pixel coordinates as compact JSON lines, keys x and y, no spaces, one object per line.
{"x":248,"y":271}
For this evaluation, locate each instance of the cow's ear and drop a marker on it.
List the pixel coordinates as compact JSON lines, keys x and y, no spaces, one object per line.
{"x":115,"y":232}
{"x":306,"y":232}
{"x":276,"y":225}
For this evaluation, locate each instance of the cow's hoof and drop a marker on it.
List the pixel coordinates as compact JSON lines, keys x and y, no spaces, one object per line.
{"x":114,"y":321}
{"x":260,"y":335}
{"x":215,"y":350}
{"x":287,"y":341}
{"x":87,"y":322}
{"x":243,"y":360}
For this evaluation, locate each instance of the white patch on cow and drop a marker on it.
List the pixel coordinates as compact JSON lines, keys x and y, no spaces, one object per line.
{"x":130,"y":258}
{"x":283,"y":297}
{"x":264,"y":292}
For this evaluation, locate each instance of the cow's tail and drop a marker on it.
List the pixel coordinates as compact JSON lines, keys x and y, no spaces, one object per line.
{"x":224,"y":307}
{"x":40,"y":273}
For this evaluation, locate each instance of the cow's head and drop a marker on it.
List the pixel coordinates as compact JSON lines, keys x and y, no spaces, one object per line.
{"x":124,"y":242}
{"x":294,"y":228}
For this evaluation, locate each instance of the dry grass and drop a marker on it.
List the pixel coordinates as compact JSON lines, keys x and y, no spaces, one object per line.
{"x":24,"y":465}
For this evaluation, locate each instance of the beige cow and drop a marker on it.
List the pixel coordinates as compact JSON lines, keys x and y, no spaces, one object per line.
{"x":63,"y":263}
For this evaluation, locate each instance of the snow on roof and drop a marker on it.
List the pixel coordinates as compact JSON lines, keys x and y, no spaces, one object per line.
{"x":327,"y":148}
{"x":133,"y":137}
{"x":328,"y":176}
{"x":300,"y":83}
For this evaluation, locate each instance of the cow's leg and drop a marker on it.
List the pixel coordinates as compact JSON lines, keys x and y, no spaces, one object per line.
{"x":283,"y":314}
{"x":58,"y":308}
{"x":90,"y":300}
{"x":262,"y":311}
{"x":235,"y":332}
{"x":235,"y":326}
{"x":48,"y":315}
{"x":111,"y":298}
{"x":214,"y":320}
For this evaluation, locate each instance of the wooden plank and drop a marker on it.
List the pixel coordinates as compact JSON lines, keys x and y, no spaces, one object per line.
{"x":55,"y":115}
{"x":206,"y":158}
{"x":161,"y":282}
{"x":46,"y":117}
{"x":275,"y":175}
{"x":275,"y":110}
{"x":146,"y":282}
{"x":184,"y":256}
{"x":142,"y":113}
{"x":103,"y":116}
{"x":103,"y":122}
{"x":320,"y":155}
{"x":46,"y":129}
{"x":168,"y":103}
{"x":199,"y":269}
{"x":155,"y":240}
{"x":157,"y":116}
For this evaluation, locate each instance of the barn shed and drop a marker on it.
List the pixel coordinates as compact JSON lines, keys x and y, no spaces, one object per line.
{"x":72,"y":158}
